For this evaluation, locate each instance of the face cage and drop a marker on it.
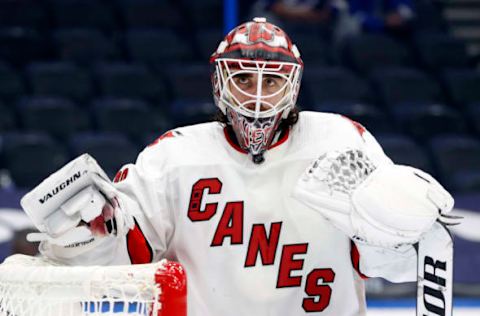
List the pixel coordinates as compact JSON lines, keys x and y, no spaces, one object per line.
{"x":255,"y":129}
{"x":226,"y":69}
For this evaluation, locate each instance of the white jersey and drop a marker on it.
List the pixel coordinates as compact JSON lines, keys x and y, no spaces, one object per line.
{"x":249,"y":248}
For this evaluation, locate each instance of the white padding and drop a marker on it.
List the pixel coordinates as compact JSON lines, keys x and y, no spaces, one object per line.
{"x":386,"y":206}
{"x":54,"y":195}
{"x":396,"y":199}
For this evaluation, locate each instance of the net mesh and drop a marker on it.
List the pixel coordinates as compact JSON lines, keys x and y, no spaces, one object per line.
{"x":35,"y":286}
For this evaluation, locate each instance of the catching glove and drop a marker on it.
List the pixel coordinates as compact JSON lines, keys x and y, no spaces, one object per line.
{"x":388,"y":205}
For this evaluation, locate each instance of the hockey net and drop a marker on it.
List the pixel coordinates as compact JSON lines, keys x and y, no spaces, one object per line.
{"x":35,"y":286}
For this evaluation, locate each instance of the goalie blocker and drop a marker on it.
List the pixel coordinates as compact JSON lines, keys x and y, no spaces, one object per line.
{"x":74,"y":206}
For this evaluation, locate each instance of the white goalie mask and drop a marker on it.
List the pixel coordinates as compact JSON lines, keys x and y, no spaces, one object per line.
{"x":256,"y":78}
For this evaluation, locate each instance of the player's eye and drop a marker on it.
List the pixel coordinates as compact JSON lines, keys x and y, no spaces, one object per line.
{"x":242,"y":80}
{"x":270,"y":82}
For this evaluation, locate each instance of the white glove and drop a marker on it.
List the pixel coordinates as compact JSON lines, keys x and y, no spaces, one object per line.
{"x":387,"y":206}
{"x":75,"y":205}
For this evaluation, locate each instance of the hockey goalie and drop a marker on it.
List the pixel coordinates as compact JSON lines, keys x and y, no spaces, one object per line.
{"x":271,"y":211}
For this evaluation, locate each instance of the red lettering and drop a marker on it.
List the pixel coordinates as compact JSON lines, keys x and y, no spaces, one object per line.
{"x":230,"y":225}
{"x":260,"y":243}
{"x":321,"y":292}
{"x":288,"y":264}
{"x":214,"y":186}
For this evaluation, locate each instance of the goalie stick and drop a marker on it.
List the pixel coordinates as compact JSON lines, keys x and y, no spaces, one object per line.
{"x":435,"y":272}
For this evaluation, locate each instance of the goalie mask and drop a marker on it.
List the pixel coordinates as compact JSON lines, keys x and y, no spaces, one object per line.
{"x":256,"y":78}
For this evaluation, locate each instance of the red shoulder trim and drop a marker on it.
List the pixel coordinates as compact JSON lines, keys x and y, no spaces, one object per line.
{"x":165,"y":135}
{"x":121,"y":175}
{"x":357,"y":125}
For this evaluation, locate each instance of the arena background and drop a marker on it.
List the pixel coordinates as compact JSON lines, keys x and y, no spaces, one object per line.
{"x":109,"y":76}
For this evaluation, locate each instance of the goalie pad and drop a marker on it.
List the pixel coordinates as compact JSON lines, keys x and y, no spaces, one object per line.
{"x":77,"y":194}
{"x":387,"y":206}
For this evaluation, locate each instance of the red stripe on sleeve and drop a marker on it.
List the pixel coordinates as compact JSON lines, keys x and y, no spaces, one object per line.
{"x":355,"y":256}
{"x":139,"y":250}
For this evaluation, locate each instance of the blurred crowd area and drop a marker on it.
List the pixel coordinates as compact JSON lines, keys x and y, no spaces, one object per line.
{"x":110,"y":76}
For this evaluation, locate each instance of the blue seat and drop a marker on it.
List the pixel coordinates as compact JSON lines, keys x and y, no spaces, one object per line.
{"x":437,"y":51}
{"x":458,"y":162}
{"x":187,"y":112}
{"x":400,"y":85}
{"x":31,"y":157}
{"x":191,"y":82}
{"x":83,"y":13}
{"x":424,"y":120}
{"x":467,"y":259}
{"x":5,"y":248}
{"x":325,"y":84}
{"x":313,"y":49}
{"x":367,"y":52}
{"x":207,"y":41}
{"x":84,"y":46}
{"x":11,"y":85}
{"x":462,"y":86}
{"x":151,"y":14}
{"x":157,"y":47}
{"x":25,"y":13}
{"x":7,"y":118}
{"x":121,"y":80}
{"x":373,"y":118}
{"x":404,"y":150}
{"x":57,"y":116}
{"x":111,"y":150}
{"x":132,"y":117}
{"x":204,"y":13}
{"x":429,"y":17}
{"x":473,"y":113}
{"x":20,"y":45}
{"x":60,"y":79}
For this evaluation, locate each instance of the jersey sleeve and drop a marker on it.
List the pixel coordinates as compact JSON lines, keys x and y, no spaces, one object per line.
{"x":394,"y":265}
{"x":143,"y":191}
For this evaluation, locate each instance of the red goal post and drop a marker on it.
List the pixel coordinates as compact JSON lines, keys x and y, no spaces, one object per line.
{"x":35,"y":286}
